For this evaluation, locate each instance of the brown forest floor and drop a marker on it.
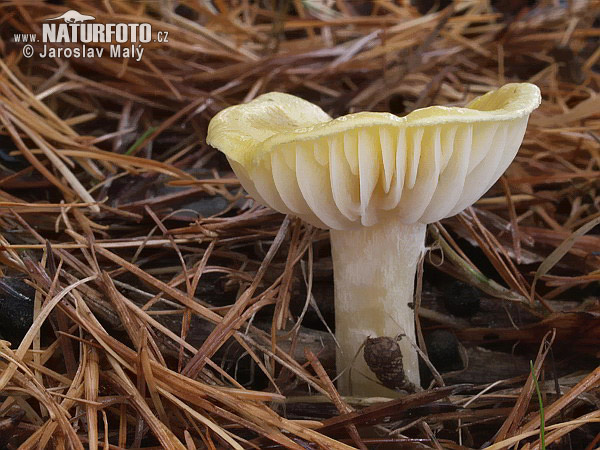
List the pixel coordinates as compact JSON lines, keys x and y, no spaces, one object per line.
{"x":156,"y":285}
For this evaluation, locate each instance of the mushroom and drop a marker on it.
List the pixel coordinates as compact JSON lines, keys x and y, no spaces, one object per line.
{"x":375,"y":180}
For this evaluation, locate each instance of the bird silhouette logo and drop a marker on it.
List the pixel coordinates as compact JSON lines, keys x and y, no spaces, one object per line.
{"x":73,"y":16}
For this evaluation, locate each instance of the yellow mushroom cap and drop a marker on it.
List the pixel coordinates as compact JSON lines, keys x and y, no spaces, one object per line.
{"x":362,"y":168}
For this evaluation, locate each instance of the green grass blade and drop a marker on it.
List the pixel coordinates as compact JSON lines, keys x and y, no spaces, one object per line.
{"x":539,"y":394}
{"x":141,"y":139}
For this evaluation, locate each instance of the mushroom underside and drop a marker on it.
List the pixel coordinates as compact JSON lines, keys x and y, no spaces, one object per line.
{"x":363,"y":176}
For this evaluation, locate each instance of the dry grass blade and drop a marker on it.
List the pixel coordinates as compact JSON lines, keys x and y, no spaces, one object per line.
{"x":513,"y":420}
{"x":122,"y":382}
{"x":91,"y":380}
{"x":567,"y":426}
{"x":223,"y":330}
{"x":335,"y":396}
{"x":589,"y":382}
{"x":33,"y":330}
{"x":560,"y":251}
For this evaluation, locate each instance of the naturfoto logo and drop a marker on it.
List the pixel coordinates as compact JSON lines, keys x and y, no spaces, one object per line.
{"x":73,"y":16}
{"x":73,"y":27}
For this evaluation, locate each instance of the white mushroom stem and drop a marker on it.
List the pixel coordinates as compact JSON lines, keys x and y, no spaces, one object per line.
{"x":374,"y":273}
